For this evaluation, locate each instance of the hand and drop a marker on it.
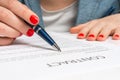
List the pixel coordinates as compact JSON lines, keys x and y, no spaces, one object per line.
{"x":99,"y":29}
{"x":12,"y":17}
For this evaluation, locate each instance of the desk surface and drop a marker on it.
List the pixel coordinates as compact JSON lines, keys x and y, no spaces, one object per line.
{"x":33,"y":59}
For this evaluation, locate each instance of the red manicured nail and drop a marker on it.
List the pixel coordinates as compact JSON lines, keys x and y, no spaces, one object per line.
{"x":30,"y":32}
{"x":14,"y":38}
{"x":91,"y":35}
{"x":117,"y":36}
{"x":34,"y":19}
{"x":81,"y":35}
{"x":101,"y":36}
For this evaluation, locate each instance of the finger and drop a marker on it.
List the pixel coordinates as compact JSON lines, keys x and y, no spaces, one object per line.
{"x":116,"y":35}
{"x":6,"y":41}
{"x":20,"y":10}
{"x":105,"y":32}
{"x":92,"y":36}
{"x":7,"y":31}
{"x":84,"y":32}
{"x":12,"y":20}
{"x":77,"y":29}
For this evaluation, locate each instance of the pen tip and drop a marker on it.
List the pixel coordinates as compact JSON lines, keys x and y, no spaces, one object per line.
{"x":59,"y":50}
{"x":57,"y":47}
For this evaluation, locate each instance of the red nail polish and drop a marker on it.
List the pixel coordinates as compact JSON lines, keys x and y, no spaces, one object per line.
{"x":30,"y":32}
{"x":14,"y":38}
{"x":117,"y":36}
{"x":101,"y":36}
{"x":81,"y":35}
{"x":91,"y":35}
{"x":34,"y":19}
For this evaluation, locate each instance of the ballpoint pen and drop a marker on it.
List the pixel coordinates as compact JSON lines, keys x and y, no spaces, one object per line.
{"x":43,"y":34}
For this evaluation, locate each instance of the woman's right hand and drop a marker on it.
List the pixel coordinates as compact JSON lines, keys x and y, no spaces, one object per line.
{"x":12,"y":17}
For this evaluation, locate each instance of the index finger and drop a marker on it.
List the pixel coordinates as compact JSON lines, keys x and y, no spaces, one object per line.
{"x":20,"y":10}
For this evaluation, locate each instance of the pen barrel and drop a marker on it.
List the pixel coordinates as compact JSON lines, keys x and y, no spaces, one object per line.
{"x":44,"y":35}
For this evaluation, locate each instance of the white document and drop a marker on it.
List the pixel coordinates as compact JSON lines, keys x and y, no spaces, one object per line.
{"x":34,"y":59}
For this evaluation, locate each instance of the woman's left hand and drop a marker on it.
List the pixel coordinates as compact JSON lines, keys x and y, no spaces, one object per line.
{"x":99,"y":29}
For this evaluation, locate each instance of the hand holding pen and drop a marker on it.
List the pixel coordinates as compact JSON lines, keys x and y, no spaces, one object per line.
{"x":12,"y":17}
{"x":12,"y":25}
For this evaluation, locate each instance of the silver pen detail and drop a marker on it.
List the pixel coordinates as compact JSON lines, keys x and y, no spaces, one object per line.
{"x":56,"y":47}
{"x":44,"y":35}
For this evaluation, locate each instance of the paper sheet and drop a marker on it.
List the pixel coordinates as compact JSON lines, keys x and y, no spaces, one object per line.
{"x":33,"y":59}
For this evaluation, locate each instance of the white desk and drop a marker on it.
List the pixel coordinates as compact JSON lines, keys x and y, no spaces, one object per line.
{"x":33,"y":59}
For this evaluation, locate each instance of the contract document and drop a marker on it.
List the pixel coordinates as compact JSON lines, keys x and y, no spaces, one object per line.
{"x":34,"y":59}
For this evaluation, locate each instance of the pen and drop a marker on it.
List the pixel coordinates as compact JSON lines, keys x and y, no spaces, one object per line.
{"x":42,"y":33}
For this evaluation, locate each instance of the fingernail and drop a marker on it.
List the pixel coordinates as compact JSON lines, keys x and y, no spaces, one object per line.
{"x":91,"y":35}
{"x":101,"y":36}
{"x":14,"y":38}
{"x":81,"y":35}
{"x":117,"y":36}
{"x":30,"y":32}
{"x":34,"y":19}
